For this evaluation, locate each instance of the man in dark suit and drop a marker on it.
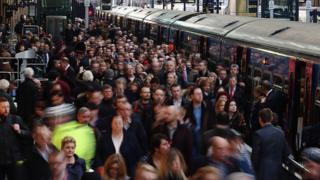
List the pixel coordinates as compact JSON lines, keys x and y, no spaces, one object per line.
{"x":27,"y":94}
{"x":276,"y":101}
{"x":270,"y":148}
{"x":68,"y":74}
{"x":236,"y":92}
{"x":37,"y":164}
{"x":177,"y":99}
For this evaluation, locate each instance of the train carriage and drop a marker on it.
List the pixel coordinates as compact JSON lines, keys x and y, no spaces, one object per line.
{"x":160,"y":22}
{"x":285,"y":53}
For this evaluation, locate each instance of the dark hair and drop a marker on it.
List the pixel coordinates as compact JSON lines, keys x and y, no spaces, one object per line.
{"x":193,"y":89}
{"x":56,"y":93}
{"x":226,"y":106}
{"x":175,"y":85}
{"x":106,"y":86}
{"x":222,"y":118}
{"x":3,"y":99}
{"x":156,"y":141}
{"x":52,"y":75}
{"x":222,"y":94}
{"x":265,"y":115}
{"x":266,"y":85}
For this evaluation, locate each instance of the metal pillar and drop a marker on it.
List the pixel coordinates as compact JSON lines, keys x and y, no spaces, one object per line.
{"x":308,"y":10}
{"x":86,"y":5}
{"x":271,"y":8}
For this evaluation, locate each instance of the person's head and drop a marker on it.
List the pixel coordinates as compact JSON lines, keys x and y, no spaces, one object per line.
{"x":205,"y":84}
{"x":68,"y":146}
{"x":4,"y":85}
{"x":223,"y":74}
{"x":95,"y":96}
{"x":41,"y":135}
{"x":28,"y":72}
{"x":56,"y":97}
{"x":176,"y":91}
{"x":107,"y":92}
{"x":57,"y":164}
{"x":234,"y":70}
{"x":259,"y":92}
{"x":222,"y":119}
{"x":130,"y":69}
{"x":125,"y":110}
{"x":156,"y":66}
{"x":240,"y":176}
{"x":311,"y":161}
{"x":171,"y":79}
{"x":175,"y":162}
{"x":145,"y":93}
{"x":4,"y":107}
{"x":220,"y":148}
{"x":202,"y":66}
{"x":196,"y":95}
{"x":160,"y":144}
{"x":146,"y":172}
{"x":231,"y":106}
{"x":265,"y":116}
{"x":266,"y":85}
{"x":159,"y":96}
{"x":117,"y":124}
{"x":232,"y":81}
{"x":84,"y":115}
{"x":222,"y":96}
{"x":87,"y":76}
{"x":170,"y":66}
{"x":206,"y":173}
{"x":115,"y":167}
{"x":220,"y":105}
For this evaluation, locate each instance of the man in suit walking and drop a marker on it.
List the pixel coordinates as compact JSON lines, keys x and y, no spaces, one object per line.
{"x":269,"y":149}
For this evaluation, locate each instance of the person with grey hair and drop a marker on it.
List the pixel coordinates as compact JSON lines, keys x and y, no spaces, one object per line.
{"x":27,"y":95}
{"x":4,"y":86}
{"x":240,"y":176}
{"x":28,"y":72}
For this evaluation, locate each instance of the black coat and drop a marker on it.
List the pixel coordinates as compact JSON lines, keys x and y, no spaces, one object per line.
{"x":69,"y":76}
{"x":269,"y":151}
{"x":13,"y":146}
{"x":27,"y":95}
{"x":76,"y":170}
{"x":181,"y":139}
{"x":37,"y":166}
{"x":129,"y":149}
{"x":277,"y":102}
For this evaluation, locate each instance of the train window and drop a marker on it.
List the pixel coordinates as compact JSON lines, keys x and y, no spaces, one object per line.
{"x":214,"y":48}
{"x":190,"y":42}
{"x":153,"y":31}
{"x":266,"y":76}
{"x":229,"y":53}
{"x":165,"y":35}
{"x":249,"y":73}
{"x":172,"y":35}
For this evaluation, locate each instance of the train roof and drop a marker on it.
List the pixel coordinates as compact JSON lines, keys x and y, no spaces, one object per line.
{"x":141,"y":13}
{"x":123,"y":10}
{"x":212,"y":24}
{"x":296,"y":37}
{"x":167,"y":17}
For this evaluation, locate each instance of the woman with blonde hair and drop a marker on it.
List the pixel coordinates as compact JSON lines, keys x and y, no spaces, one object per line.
{"x":175,"y":166}
{"x":206,"y":173}
{"x":115,"y":168}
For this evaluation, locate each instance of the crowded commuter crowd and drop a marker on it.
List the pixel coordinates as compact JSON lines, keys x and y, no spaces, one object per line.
{"x":117,"y":107}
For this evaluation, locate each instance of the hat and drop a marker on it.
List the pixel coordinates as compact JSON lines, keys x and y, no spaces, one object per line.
{"x":80,"y":47}
{"x":60,"y":110}
{"x":109,"y":74}
{"x":312,"y":154}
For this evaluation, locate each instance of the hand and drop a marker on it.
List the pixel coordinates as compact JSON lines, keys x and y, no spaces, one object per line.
{"x":16,"y":127}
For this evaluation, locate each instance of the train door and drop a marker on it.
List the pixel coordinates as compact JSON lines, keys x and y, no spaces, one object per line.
{"x":300,"y":79}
